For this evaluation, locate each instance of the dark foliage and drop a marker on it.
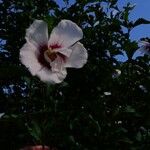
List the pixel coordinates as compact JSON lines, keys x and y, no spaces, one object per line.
{"x":95,"y":108}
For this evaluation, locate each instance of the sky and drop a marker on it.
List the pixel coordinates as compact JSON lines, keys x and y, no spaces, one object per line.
{"x":141,"y":10}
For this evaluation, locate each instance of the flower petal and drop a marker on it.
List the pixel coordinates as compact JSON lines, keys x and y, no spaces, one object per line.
{"x":64,"y":51}
{"x":37,"y":33}
{"x":144,"y":47}
{"x":28,"y":57}
{"x":78,"y":56}
{"x":47,"y":75}
{"x":57,"y":65}
{"x":66,"y":33}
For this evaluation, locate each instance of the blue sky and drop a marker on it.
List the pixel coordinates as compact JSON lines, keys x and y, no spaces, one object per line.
{"x":141,"y":10}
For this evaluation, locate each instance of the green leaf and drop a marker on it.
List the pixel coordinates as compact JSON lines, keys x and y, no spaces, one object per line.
{"x":139,"y":136}
{"x":113,"y":2}
{"x":141,"y":21}
{"x":127,"y":10}
{"x":129,"y":109}
{"x":35,"y":131}
{"x":50,"y":22}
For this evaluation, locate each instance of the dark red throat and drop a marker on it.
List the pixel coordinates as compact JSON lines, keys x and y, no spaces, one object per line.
{"x":41,"y":57}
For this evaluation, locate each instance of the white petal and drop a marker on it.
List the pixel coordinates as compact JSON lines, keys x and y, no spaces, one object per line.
{"x":37,"y":33}
{"x":51,"y":77}
{"x":1,"y":115}
{"x":78,"y":56}
{"x":57,"y":65}
{"x":143,"y":51}
{"x":28,"y":56}
{"x":65,"y":51}
{"x":143,"y":43}
{"x":65,"y":34}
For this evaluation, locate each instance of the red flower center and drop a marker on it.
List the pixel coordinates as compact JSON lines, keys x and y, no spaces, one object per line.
{"x":50,"y":53}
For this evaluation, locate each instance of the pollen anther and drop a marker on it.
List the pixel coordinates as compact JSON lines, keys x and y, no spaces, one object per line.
{"x":50,"y":55}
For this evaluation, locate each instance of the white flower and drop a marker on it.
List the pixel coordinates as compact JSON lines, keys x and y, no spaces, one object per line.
{"x":107,"y":93}
{"x":145,"y":47}
{"x":49,"y":58}
{"x":117,"y":73}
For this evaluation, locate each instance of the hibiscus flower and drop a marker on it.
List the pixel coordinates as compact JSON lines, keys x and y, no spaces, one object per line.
{"x":48,"y":58}
{"x":145,"y":47}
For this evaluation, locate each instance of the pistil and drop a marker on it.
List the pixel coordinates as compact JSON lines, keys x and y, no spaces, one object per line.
{"x":50,"y":55}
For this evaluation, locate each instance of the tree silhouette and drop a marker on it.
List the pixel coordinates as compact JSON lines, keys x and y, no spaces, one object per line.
{"x":104,"y":105}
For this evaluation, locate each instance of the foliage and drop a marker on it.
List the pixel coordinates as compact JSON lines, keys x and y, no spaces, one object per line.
{"x":95,"y":107}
